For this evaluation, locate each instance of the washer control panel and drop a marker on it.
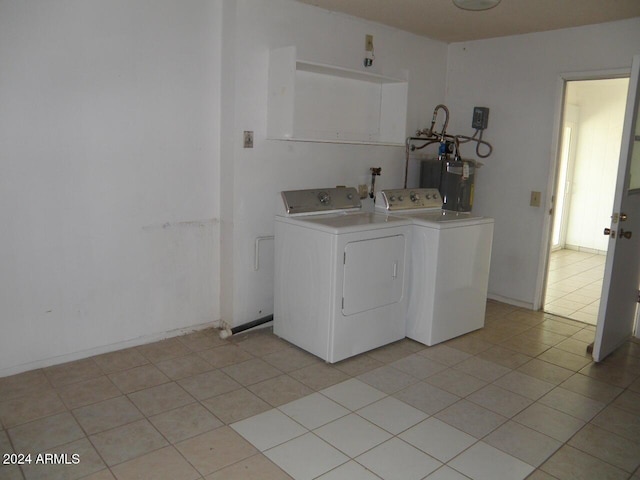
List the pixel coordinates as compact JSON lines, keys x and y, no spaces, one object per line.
{"x":409,"y":198}
{"x":321,"y":200}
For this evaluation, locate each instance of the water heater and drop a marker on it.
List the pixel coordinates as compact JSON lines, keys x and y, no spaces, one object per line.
{"x":454,"y":179}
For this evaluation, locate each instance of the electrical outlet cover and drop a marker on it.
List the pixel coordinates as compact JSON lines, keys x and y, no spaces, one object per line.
{"x":248,"y":139}
{"x":368,"y":43}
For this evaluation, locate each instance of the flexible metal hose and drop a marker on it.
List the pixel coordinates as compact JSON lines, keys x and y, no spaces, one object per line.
{"x":430,"y":137}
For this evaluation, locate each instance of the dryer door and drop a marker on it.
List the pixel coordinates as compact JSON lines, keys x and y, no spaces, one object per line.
{"x":373,"y":273}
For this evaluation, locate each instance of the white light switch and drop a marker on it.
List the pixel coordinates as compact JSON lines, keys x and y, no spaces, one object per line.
{"x":535,"y":199}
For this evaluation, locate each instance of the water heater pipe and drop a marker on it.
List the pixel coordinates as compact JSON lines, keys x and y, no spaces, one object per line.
{"x":429,"y":137}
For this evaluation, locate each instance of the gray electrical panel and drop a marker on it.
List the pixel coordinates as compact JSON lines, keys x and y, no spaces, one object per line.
{"x":480,"y":118}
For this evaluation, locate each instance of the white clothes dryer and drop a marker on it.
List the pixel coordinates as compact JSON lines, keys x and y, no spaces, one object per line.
{"x":340,"y":279}
{"x":449,"y":267}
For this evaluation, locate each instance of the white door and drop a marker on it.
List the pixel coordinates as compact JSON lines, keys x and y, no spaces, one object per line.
{"x":373,"y":274}
{"x":619,"y":299}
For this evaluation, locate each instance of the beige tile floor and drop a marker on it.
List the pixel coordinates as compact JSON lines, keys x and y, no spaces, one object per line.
{"x":574,"y":284}
{"x":519,"y":398}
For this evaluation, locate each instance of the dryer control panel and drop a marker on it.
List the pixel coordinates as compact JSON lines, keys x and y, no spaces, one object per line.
{"x":324,"y":200}
{"x":409,"y":199}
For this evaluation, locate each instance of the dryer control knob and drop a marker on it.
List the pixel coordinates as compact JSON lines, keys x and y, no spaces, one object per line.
{"x":414,"y":197}
{"x":324,"y":198}
{"x":427,"y":196}
{"x":392,"y":198}
{"x":400,"y":198}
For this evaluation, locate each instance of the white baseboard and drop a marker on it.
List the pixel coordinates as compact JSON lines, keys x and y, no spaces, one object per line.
{"x":510,"y":301}
{"x":70,"y":357}
{"x":578,"y":248}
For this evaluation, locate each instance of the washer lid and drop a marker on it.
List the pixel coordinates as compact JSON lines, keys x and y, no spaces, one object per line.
{"x":446,"y":219}
{"x":338,"y":223}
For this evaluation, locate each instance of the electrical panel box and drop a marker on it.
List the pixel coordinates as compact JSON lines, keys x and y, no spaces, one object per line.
{"x":480,"y":118}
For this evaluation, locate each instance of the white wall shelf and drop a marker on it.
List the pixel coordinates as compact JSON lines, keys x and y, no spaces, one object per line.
{"x":313,"y":102}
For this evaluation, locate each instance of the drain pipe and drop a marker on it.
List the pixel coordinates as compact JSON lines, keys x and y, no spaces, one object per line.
{"x":375,"y":172}
{"x":227,"y":332}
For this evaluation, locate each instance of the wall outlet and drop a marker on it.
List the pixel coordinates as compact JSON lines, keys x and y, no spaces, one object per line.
{"x":535,"y":199}
{"x":368,"y":43}
{"x":248,"y":139}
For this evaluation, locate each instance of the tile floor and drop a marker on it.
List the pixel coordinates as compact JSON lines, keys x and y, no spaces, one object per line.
{"x":517,"y":399}
{"x":574,"y":284}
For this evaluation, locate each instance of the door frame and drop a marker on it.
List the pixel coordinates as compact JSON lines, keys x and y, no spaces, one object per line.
{"x":569,"y":174}
{"x":554,"y":165}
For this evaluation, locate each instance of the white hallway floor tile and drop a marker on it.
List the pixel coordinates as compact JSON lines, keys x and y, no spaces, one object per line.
{"x":268,"y":429}
{"x":349,"y":471}
{"x":397,"y":460}
{"x":306,"y":457}
{"x":574,"y":283}
{"x":352,"y":446}
{"x":438,"y":439}
{"x":392,"y":415}
{"x":484,"y":462}
{"x":352,"y":435}
{"x":314,"y":410}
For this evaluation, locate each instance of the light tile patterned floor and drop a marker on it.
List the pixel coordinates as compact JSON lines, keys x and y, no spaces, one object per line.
{"x":517,"y":399}
{"x":574,"y":285}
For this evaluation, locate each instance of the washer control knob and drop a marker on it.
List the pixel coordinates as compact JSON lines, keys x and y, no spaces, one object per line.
{"x":324,"y":198}
{"x":400,"y":198}
{"x":427,"y":196}
{"x":414,"y":196}
{"x":350,"y":196}
{"x":435,"y":195}
{"x":392,"y":198}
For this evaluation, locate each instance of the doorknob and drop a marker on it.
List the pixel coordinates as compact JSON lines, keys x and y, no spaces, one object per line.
{"x":625,"y":234}
{"x":608,"y":231}
{"x":622,"y":217}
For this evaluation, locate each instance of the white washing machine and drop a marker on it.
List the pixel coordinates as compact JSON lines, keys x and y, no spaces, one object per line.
{"x":449,"y":267}
{"x":340,"y":283}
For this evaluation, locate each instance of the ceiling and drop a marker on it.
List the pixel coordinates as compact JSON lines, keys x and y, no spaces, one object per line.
{"x":441,"y":20}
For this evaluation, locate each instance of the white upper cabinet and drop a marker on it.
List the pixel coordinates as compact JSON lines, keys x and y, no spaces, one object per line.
{"x":312,"y":102}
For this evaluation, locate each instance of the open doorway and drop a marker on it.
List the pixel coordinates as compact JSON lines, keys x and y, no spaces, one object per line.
{"x":593,"y":117}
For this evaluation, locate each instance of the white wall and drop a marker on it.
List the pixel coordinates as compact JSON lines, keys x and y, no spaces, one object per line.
{"x":109,"y":144}
{"x":253,"y":178}
{"x":517,"y":77}
{"x":599,"y":135}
